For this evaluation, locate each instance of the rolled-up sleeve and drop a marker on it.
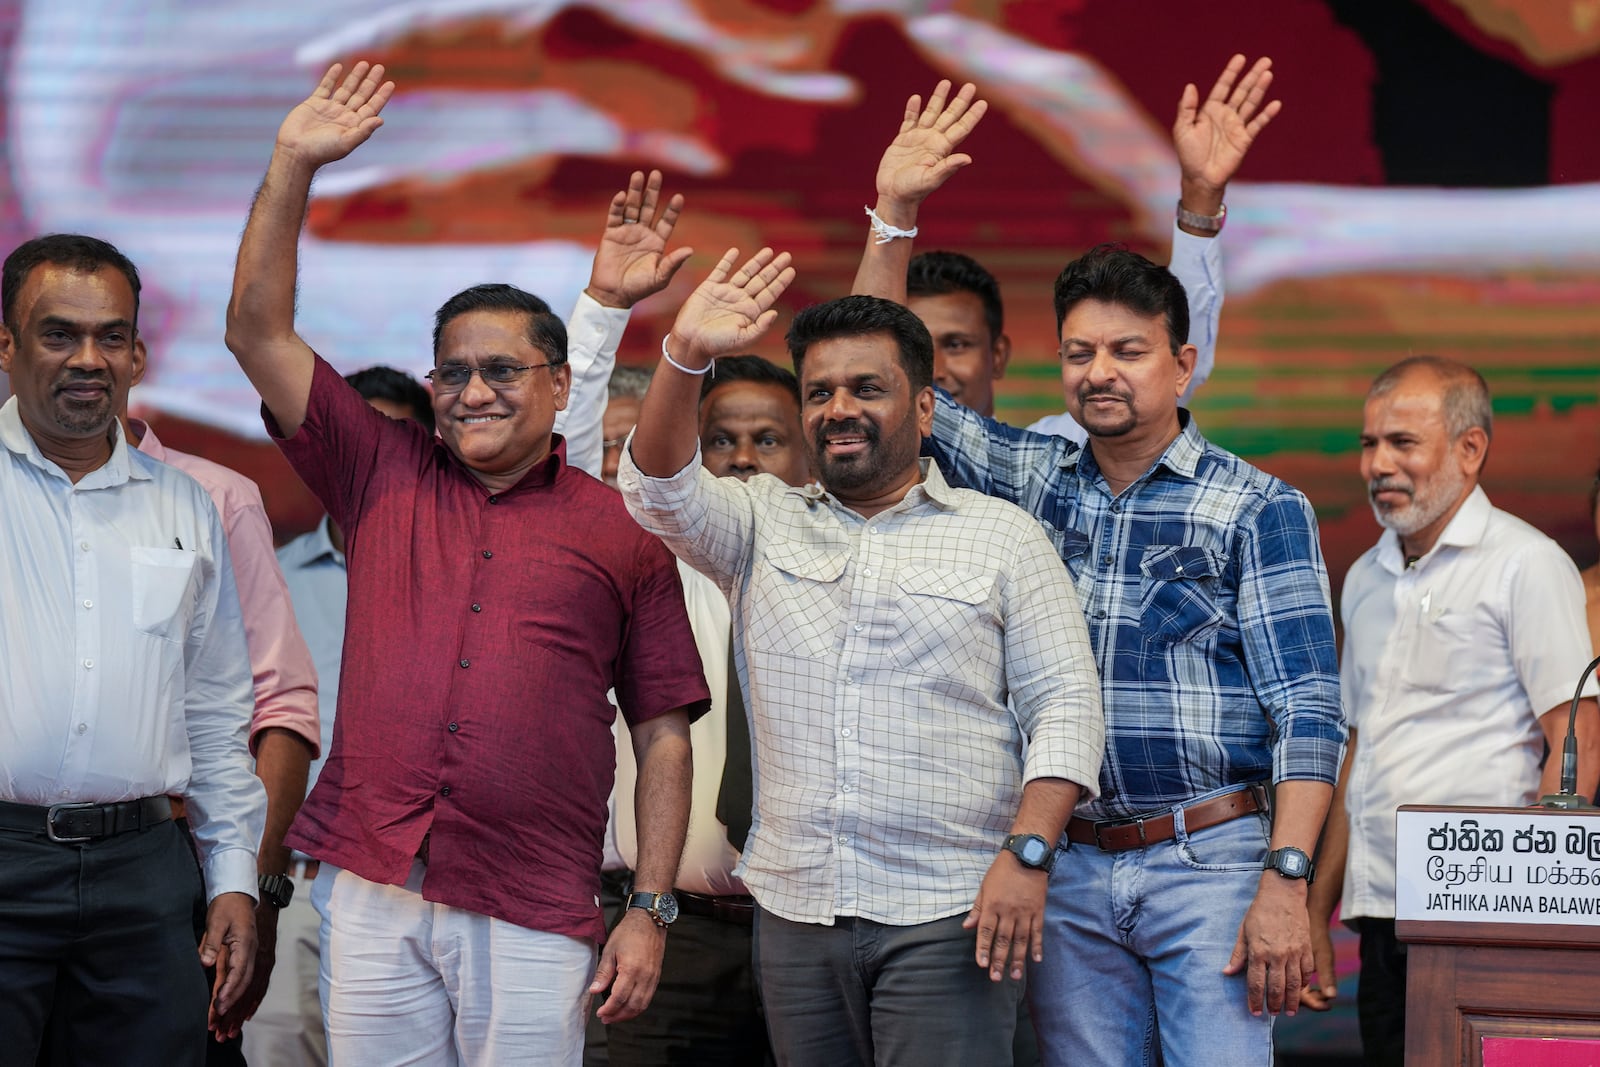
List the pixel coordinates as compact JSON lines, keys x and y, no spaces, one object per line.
{"x":1286,"y":622}
{"x":708,"y":522}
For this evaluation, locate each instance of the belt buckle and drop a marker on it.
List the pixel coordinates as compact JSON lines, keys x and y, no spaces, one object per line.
{"x":1112,"y":824}
{"x":50,"y":824}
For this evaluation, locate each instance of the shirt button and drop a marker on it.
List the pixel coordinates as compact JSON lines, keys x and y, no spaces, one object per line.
{"x":845,"y":732}
{"x":454,"y":727}
{"x":487,"y":554}
{"x":1106,"y":560}
{"x":1100,"y":613}
{"x":477,"y":607}
{"x":873,"y":531}
{"x":66,"y":792}
{"x":866,"y":572}
{"x":859,"y":627}
{"x":494,"y":500}
{"x":465,"y":664}
{"x":88,"y":664}
{"x":942,"y":589}
{"x":843,"y":840}
{"x":84,"y":545}
{"x":83,"y":727}
{"x":844,"y":788}
{"x":88,"y":603}
{"x":445,"y":791}
{"x":1116,"y":507}
{"x":850,"y":682}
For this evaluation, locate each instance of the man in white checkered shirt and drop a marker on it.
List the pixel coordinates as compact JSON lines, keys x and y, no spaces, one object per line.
{"x":906,"y":818}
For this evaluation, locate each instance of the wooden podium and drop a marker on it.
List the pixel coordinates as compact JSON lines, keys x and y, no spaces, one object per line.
{"x":1500,"y":908}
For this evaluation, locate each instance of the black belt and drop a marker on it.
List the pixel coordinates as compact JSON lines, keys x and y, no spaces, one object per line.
{"x":740,"y":910}
{"x":77,"y":823}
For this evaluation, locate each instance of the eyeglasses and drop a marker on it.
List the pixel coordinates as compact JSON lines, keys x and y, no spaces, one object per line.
{"x":453,"y":377}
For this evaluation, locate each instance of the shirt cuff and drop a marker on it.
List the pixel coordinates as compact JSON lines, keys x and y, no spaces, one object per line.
{"x":231,"y":870}
{"x":304,"y":723}
{"x":603,"y":326}
{"x":1068,"y":755}
{"x":657,"y":494}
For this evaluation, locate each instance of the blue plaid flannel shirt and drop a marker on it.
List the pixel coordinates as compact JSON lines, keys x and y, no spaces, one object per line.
{"x":1207,"y":602}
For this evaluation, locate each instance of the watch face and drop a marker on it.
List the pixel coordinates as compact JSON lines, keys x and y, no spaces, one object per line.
{"x":1034,"y":851}
{"x":667,"y":907}
{"x":1291,"y":863}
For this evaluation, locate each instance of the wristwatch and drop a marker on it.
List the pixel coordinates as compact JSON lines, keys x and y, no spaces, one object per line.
{"x":276,"y":889}
{"x":1031,"y":850}
{"x":661,"y":907}
{"x":1291,"y":863}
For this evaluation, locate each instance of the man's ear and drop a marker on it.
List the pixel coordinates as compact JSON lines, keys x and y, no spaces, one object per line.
{"x":560,"y":384}
{"x":1186,"y":357}
{"x":8,"y":349}
{"x":1472,"y":450}
{"x":924,"y":405}
{"x":140,"y":355}
{"x":1002,"y":356}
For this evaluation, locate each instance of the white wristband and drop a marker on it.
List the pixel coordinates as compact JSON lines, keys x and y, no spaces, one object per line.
{"x":687,"y":370}
{"x":883,"y":233}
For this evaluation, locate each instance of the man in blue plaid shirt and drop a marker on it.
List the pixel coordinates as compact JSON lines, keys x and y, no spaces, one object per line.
{"x":1180,"y":904}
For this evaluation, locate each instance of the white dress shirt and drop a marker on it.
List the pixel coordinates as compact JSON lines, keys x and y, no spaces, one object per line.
{"x":709,"y":860}
{"x":1197,"y":263}
{"x":127,"y":673}
{"x":877,"y":656}
{"x":1447,"y":666}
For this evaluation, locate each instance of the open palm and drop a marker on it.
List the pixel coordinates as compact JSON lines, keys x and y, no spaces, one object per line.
{"x":732,"y":308}
{"x":1212,"y":138}
{"x":923,"y":154}
{"x":338,"y":116}
{"x":632,"y":261}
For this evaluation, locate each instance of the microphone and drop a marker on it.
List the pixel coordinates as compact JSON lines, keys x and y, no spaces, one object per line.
{"x":1569,"y":799}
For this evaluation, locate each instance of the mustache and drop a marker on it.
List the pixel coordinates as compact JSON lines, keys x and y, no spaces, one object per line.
{"x":1387,"y":485}
{"x":1085,"y":394}
{"x":82,"y":377}
{"x":848,"y":428}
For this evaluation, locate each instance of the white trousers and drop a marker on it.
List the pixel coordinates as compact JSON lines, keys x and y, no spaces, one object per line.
{"x":408,"y":982}
{"x":286,"y":1030}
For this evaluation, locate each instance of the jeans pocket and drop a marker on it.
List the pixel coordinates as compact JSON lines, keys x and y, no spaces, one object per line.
{"x":1239,"y":845}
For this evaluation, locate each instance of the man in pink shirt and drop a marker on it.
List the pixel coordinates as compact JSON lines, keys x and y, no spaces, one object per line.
{"x":285,"y":731}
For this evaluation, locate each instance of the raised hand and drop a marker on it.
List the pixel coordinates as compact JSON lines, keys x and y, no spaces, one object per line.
{"x":632,"y":261}
{"x":1213,"y":137}
{"x":337,"y":117}
{"x":923,"y":154}
{"x":732,"y":308}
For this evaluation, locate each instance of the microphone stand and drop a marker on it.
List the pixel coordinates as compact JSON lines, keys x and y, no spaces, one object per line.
{"x":1569,"y":799}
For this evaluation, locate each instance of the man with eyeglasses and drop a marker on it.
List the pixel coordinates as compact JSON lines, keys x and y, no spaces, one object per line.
{"x":495,"y":594}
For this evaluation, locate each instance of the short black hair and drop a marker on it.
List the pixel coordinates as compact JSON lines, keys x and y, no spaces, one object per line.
{"x":1113,"y":275}
{"x":939,"y":273}
{"x":74,"y":251}
{"x":732,"y":369}
{"x":397,"y":387}
{"x":855,"y":316}
{"x":546,"y":331}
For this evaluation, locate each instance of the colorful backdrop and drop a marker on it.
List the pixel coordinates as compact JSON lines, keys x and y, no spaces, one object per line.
{"x":1433,"y":184}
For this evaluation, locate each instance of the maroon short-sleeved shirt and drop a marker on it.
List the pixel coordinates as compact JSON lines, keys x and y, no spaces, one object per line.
{"x":482,"y":634}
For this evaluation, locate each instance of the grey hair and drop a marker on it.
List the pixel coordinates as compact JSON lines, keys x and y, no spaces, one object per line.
{"x":1466,"y":394}
{"x":629,"y":382}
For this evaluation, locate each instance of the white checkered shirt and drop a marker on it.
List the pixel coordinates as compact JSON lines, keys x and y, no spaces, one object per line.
{"x":877,"y":656}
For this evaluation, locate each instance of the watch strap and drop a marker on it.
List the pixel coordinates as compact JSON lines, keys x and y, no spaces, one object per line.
{"x":1276,"y":861}
{"x":276,"y":889}
{"x":1014,"y":844}
{"x":1205,"y":223}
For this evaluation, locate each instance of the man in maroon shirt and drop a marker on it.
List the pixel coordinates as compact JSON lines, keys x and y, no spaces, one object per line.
{"x":495,"y":595}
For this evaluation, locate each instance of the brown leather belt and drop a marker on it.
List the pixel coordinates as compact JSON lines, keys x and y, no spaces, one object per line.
{"x":740,"y":910}
{"x":78,"y":823}
{"x":1119,"y":835}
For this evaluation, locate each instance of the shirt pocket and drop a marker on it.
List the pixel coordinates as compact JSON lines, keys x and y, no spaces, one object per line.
{"x":161,"y":581}
{"x":796,"y":602}
{"x":1177,"y":597}
{"x":939,"y":613}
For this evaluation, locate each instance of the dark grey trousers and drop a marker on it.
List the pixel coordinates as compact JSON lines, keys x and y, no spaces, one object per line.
{"x":860,"y":993}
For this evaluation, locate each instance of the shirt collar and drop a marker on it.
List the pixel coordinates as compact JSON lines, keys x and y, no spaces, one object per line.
{"x":1182,"y":456}
{"x":149,"y":443}
{"x":932,"y":488}
{"x":543,"y":473}
{"x":116,"y":470}
{"x":1465,"y":529}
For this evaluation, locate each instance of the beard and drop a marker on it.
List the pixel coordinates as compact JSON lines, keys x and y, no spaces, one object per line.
{"x":83,"y":417}
{"x":880,"y":462}
{"x":1422,"y":506}
{"x":1113,"y":422}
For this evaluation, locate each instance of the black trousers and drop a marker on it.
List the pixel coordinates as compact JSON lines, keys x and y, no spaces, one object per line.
{"x":706,"y":1012}
{"x":98,"y":940}
{"x":1381,"y":994}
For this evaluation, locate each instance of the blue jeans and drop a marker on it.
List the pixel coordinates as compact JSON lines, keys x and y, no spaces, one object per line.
{"x":1134,"y":946}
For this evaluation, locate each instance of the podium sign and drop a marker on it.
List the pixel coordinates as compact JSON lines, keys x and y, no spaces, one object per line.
{"x":1500,"y":910}
{"x":1517,"y":865}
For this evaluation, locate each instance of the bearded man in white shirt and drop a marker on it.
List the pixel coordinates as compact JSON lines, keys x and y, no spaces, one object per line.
{"x":1464,"y":636}
{"x":127,"y":681}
